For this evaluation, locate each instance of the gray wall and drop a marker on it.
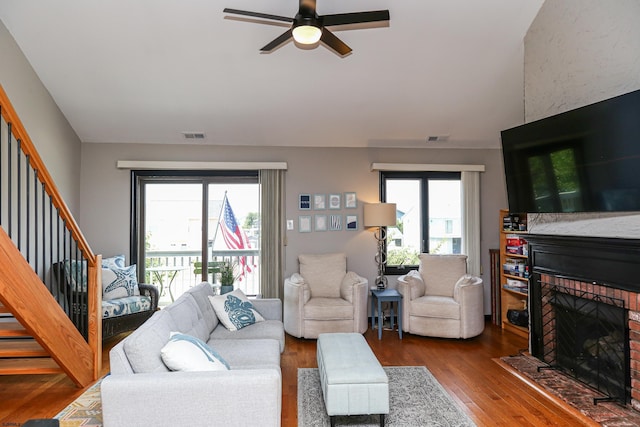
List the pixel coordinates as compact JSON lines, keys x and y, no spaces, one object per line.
{"x":578,"y":52}
{"x":105,"y":192}
{"x":55,"y":140}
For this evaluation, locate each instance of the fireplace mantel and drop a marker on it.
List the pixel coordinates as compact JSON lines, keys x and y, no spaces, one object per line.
{"x":610,"y":261}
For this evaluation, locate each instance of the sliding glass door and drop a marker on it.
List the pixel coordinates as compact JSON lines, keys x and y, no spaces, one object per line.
{"x":176,"y":249}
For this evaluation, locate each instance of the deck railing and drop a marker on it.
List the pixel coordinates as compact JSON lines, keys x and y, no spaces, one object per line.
{"x":174,"y":272}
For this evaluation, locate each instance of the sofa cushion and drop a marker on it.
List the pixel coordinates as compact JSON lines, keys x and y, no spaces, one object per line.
{"x":269,"y":329}
{"x":187,"y":317}
{"x":328,"y":309}
{"x":249,"y":353}
{"x":119,"y":282}
{"x":441,"y":272}
{"x":186,"y":353}
{"x":234,"y":310}
{"x":200,"y":294}
{"x":323,"y":273}
{"x":122,"y":306}
{"x":143,"y":346}
{"x":435,"y":306}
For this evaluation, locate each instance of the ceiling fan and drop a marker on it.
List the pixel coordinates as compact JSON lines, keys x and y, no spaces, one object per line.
{"x":308,"y":27}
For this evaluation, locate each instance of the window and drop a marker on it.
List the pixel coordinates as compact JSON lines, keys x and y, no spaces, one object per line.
{"x":429,"y":216}
{"x":175,"y":248}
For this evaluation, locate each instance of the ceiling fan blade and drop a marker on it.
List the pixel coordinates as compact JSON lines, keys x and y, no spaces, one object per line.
{"x":355,"y":17}
{"x":258,"y":15}
{"x":334,"y":43}
{"x":283,"y":38}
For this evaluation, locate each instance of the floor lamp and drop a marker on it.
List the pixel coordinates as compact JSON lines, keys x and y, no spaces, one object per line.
{"x":380,"y":215}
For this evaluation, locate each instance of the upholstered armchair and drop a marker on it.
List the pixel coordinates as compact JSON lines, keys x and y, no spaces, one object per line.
{"x":441,"y":300}
{"x":324,"y":297}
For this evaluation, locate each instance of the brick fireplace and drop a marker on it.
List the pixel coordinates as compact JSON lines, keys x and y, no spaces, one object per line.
{"x":593,"y":275}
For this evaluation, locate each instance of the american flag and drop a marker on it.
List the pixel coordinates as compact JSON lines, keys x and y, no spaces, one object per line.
{"x":234,"y":236}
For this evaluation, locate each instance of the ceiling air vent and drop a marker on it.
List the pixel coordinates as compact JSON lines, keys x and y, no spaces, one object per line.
{"x":437,"y":138}
{"x":193,"y":135}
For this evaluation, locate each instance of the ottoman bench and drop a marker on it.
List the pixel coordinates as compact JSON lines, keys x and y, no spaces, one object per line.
{"x":353,"y":381}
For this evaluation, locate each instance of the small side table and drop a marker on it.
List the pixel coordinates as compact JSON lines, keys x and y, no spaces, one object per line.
{"x":171,"y":272}
{"x":386,"y":295}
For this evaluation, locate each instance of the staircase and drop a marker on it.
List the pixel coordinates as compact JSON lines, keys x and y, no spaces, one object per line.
{"x":50,"y":320}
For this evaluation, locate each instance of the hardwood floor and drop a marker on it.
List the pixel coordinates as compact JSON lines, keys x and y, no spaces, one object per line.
{"x":489,"y":394}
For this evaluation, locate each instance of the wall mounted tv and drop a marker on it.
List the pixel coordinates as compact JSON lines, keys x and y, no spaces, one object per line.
{"x":583,"y":160}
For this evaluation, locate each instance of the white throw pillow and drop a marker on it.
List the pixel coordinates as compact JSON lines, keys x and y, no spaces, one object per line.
{"x":119,"y":282}
{"x":186,"y":353}
{"x":234,"y":310}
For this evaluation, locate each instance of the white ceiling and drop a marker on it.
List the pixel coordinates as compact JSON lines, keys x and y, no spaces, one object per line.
{"x":146,"y":70}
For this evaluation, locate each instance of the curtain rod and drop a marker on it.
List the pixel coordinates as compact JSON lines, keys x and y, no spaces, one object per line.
{"x":186,"y":165}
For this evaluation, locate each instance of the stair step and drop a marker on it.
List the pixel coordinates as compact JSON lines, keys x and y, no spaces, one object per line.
{"x":10,"y":348}
{"x":11,"y":328}
{"x":44,"y":365}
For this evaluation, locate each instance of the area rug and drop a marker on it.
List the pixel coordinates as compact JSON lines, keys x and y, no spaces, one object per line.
{"x":85,"y":411}
{"x":416,"y":399}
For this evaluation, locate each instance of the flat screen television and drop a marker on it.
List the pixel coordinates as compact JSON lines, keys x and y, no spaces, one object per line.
{"x":583,"y":160}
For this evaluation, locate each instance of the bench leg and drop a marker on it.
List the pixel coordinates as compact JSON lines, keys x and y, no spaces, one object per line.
{"x":381,"y":420}
{"x":332,"y":419}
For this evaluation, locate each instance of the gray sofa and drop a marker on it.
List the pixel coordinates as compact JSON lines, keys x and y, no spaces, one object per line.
{"x":141,"y":391}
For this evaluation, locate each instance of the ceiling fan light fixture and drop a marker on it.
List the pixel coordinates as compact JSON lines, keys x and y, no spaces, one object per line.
{"x":307,"y":34}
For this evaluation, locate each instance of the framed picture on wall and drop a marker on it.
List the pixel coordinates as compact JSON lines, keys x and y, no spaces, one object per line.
{"x":351,"y":222}
{"x":334,"y":201}
{"x":304,"y":202}
{"x":350,"y":200}
{"x":304,"y":223}
{"x":319,"y":202}
{"x":321,"y":223}
{"x":335,"y":222}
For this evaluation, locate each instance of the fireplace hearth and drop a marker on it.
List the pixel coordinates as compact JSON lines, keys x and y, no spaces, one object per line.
{"x":585,"y":311}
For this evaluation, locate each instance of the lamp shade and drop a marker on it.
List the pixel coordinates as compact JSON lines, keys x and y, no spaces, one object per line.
{"x":379,"y":214}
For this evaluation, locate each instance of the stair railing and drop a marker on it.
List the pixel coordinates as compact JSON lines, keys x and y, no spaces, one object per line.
{"x":38,"y":221}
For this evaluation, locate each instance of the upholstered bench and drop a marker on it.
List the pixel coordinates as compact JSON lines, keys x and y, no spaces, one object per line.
{"x":353,"y":381}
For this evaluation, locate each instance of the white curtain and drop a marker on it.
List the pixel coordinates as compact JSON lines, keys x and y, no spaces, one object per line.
{"x":471,"y":220}
{"x":272,"y":233}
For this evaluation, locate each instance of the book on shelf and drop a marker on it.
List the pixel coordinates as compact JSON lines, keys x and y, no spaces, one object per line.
{"x":522,"y":289}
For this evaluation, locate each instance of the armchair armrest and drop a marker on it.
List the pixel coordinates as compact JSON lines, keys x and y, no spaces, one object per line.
{"x":296,"y":295}
{"x":349,"y":286}
{"x":467,"y":286}
{"x":411,"y":285}
{"x":469,"y":293}
{"x":354,"y":288}
{"x":150,"y":291}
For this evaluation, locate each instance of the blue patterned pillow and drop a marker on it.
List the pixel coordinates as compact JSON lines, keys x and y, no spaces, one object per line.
{"x":234,"y":310}
{"x":76,"y":274}
{"x":119,"y":282}
{"x":116,"y":261}
{"x":186,"y":353}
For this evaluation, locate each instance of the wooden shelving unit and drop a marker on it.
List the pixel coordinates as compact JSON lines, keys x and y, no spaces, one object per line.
{"x":512,"y":298}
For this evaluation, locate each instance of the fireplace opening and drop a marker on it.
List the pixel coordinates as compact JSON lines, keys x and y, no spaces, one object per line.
{"x":587,"y":337}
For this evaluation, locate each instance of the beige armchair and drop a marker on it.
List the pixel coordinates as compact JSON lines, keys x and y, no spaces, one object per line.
{"x":324,"y":297}
{"x":441,"y":300}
